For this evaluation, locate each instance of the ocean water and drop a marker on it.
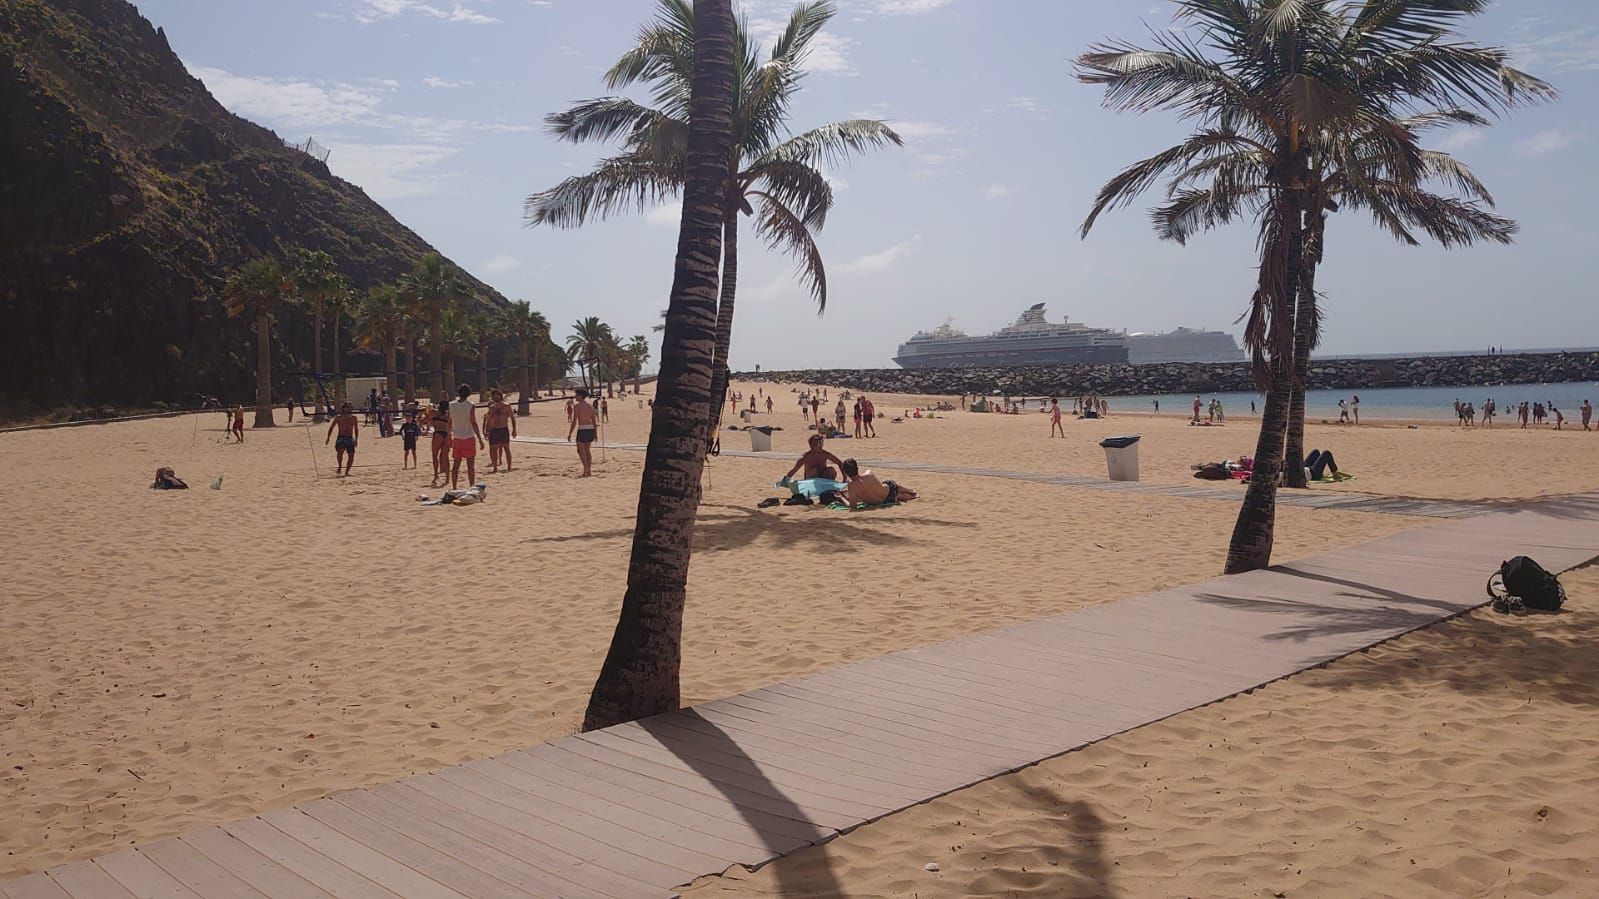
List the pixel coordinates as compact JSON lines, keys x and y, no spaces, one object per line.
{"x":1421,"y":403}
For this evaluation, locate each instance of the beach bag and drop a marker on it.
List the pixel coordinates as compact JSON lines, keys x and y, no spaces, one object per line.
{"x":1521,"y":583}
{"x":1212,"y":471}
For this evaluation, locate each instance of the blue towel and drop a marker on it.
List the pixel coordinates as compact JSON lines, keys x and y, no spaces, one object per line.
{"x":814,"y":487}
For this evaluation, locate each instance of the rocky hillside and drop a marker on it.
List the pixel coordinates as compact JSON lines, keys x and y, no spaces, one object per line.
{"x":129,"y":193}
{"x":1197,"y":377}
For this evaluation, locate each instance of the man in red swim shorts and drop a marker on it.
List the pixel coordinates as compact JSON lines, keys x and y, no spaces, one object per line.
{"x":466,"y":438}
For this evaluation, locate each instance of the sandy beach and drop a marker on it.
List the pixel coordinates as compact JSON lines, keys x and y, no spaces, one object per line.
{"x":182,"y":658}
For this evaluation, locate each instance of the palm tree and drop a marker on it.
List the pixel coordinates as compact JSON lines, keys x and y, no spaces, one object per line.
{"x":317,"y":280}
{"x":342,"y":303}
{"x":1284,"y":80}
{"x":460,"y":339}
{"x":774,"y":177}
{"x":257,"y":289}
{"x":588,"y":345}
{"x":640,"y":674}
{"x":638,"y":353}
{"x":435,"y":287}
{"x":380,"y":321}
{"x":527,"y":330}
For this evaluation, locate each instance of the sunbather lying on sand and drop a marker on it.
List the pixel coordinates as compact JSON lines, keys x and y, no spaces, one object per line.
{"x":865,"y":489}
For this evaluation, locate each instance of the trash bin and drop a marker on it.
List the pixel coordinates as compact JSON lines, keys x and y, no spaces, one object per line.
{"x":1121,"y":457}
{"x":760,"y":439}
{"x":744,"y":414}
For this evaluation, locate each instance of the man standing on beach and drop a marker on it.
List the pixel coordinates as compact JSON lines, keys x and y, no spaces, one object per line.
{"x":500,"y":422}
{"x":238,"y":422}
{"x":1196,"y":408}
{"x":838,"y":414}
{"x":466,"y":438}
{"x":585,"y":424}
{"x":349,"y":429}
{"x":868,"y":412}
{"x":1054,"y":418}
{"x":1587,"y":415}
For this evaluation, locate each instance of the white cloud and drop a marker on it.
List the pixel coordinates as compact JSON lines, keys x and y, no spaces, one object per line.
{"x":921,"y":130}
{"x":436,"y":81}
{"x":997,"y":191}
{"x":828,"y":53}
{"x":289,"y":102}
{"x":1545,"y":142}
{"x":1545,"y":43}
{"x":391,"y":171}
{"x":666,"y":215}
{"x":908,"y":7}
{"x":368,"y":11}
{"x":1022,"y":104}
{"x":501,"y":264}
{"x":1456,"y":141}
{"x":883,"y":260}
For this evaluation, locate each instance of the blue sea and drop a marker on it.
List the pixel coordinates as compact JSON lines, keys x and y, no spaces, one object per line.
{"x":1422,"y":403}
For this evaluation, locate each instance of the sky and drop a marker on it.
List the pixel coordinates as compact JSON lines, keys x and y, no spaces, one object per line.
{"x":436,"y":109}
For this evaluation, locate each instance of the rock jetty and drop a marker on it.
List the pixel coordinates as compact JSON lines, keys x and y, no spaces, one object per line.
{"x":1202,"y":377}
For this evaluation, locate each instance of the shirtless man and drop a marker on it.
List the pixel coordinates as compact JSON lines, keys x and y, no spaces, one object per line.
{"x":868,"y":412}
{"x":768,"y":405}
{"x":1054,"y":419}
{"x":585,"y":426}
{"x":238,"y":422}
{"x":817,"y":462}
{"x":864,"y":487}
{"x":465,"y":437}
{"x":349,"y":429}
{"x":500,"y":423}
{"x":1587,"y":414}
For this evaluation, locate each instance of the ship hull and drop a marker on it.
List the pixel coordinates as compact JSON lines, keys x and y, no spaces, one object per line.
{"x":1002,"y":358}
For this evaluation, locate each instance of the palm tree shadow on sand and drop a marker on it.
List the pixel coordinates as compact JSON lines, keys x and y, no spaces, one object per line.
{"x":814,"y":529}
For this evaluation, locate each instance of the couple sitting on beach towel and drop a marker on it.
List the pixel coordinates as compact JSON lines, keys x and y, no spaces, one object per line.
{"x":857,"y":489}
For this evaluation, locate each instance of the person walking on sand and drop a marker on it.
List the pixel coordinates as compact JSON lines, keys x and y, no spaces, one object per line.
{"x":585,"y":426}
{"x":1587,"y":414}
{"x":238,"y":422}
{"x":816,"y":408}
{"x":1354,"y":408}
{"x":409,"y":432}
{"x":439,"y":421}
{"x":465,"y":437}
{"x":1197,"y":404}
{"x":868,"y":413}
{"x":857,"y":419}
{"x":1155,"y":401}
{"x":769,"y":405}
{"x":1054,"y":419}
{"x":568,"y":411}
{"x":500,"y":422}
{"x":349,"y":429}
{"x":1560,"y":417}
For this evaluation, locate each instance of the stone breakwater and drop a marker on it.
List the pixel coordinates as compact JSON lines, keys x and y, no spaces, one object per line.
{"x":1198,"y":377}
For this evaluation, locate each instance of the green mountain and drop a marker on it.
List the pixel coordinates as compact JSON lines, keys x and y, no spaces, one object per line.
{"x":127,"y":194}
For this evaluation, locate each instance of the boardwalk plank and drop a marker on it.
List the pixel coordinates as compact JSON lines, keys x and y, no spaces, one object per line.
{"x":370,"y":863}
{"x":303,"y":860}
{"x":200,"y":874}
{"x":248,"y":865}
{"x":33,"y":886}
{"x":87,"y":880}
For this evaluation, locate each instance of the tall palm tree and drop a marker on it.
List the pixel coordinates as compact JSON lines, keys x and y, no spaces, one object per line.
{"x":342,"y":304}
{"x":317,"y":280}
{"x":640,"y":674}
{"x":527,"y":330}
{"x":1269,"y":83}
{"x":638,"y":353}
{"x":434,"y":287}
{"x":774,"y":177}
{"x":257,"y":289}
{"x":380,"y":320}
{"x":459,"y":330}
{"x":588,"y":345}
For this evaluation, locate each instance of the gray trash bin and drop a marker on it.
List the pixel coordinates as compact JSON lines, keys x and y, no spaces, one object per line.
{"x":761,"y":439}
{"x":1121,"y":457}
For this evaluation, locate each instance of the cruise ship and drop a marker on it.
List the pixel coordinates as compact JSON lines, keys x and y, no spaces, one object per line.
{"x":1031,"y":340}
{"x":1183,"y":345}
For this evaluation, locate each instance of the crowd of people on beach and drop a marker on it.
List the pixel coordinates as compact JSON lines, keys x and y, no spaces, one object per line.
{"x":1535,"y":414}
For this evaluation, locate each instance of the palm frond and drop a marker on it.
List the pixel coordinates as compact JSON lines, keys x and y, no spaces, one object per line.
{"x":797,"y":186}
{"x":605,"y":118}
{"x":1132,"y":181}
{"x":832,"y":144}
{"x":783,"y":230}
{"x":619,"y":184}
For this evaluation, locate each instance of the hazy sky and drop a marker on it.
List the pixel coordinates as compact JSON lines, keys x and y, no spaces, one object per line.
{"x":436,"y":108}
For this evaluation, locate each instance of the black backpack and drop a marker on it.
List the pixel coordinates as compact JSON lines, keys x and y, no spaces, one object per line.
{"x":1522,"y":583}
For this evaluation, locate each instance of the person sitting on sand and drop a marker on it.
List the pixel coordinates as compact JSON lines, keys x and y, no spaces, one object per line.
{"x":865,"y":489}
{"x":816,"y":462}
{"x":349,"y":428}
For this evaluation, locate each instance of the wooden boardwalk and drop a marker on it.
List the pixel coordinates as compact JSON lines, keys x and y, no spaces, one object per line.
{"x":1316,"y":499}
{"x":640,"y":809}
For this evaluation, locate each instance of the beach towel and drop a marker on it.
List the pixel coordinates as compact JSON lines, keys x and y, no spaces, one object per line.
{"x":812,"y":487}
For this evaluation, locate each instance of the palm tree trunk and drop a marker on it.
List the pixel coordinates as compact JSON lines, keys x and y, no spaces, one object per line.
{"x":391,"y":377}
{"x":724,"y":316}
{"x":338,"y":357}
{"x":263,"y":368}
{"x":538,"y":350}
{"x":1306,"y":333}
{"x":436,"y":355}
{"x":640,"y":674}
{"x":316,"y":367}
{"x":412,"y":380}
{"x":1255,"y":529}
{"x":482,"y":369}
{"x":523,"y":380}
{"x":449,"y":372}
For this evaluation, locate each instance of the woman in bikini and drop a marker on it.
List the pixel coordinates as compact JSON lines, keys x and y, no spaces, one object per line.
{"x":440,"y":421}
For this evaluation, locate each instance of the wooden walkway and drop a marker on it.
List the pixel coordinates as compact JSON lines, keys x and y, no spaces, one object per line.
{"x":1316,"y":499}
{"x":640,"y":809}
